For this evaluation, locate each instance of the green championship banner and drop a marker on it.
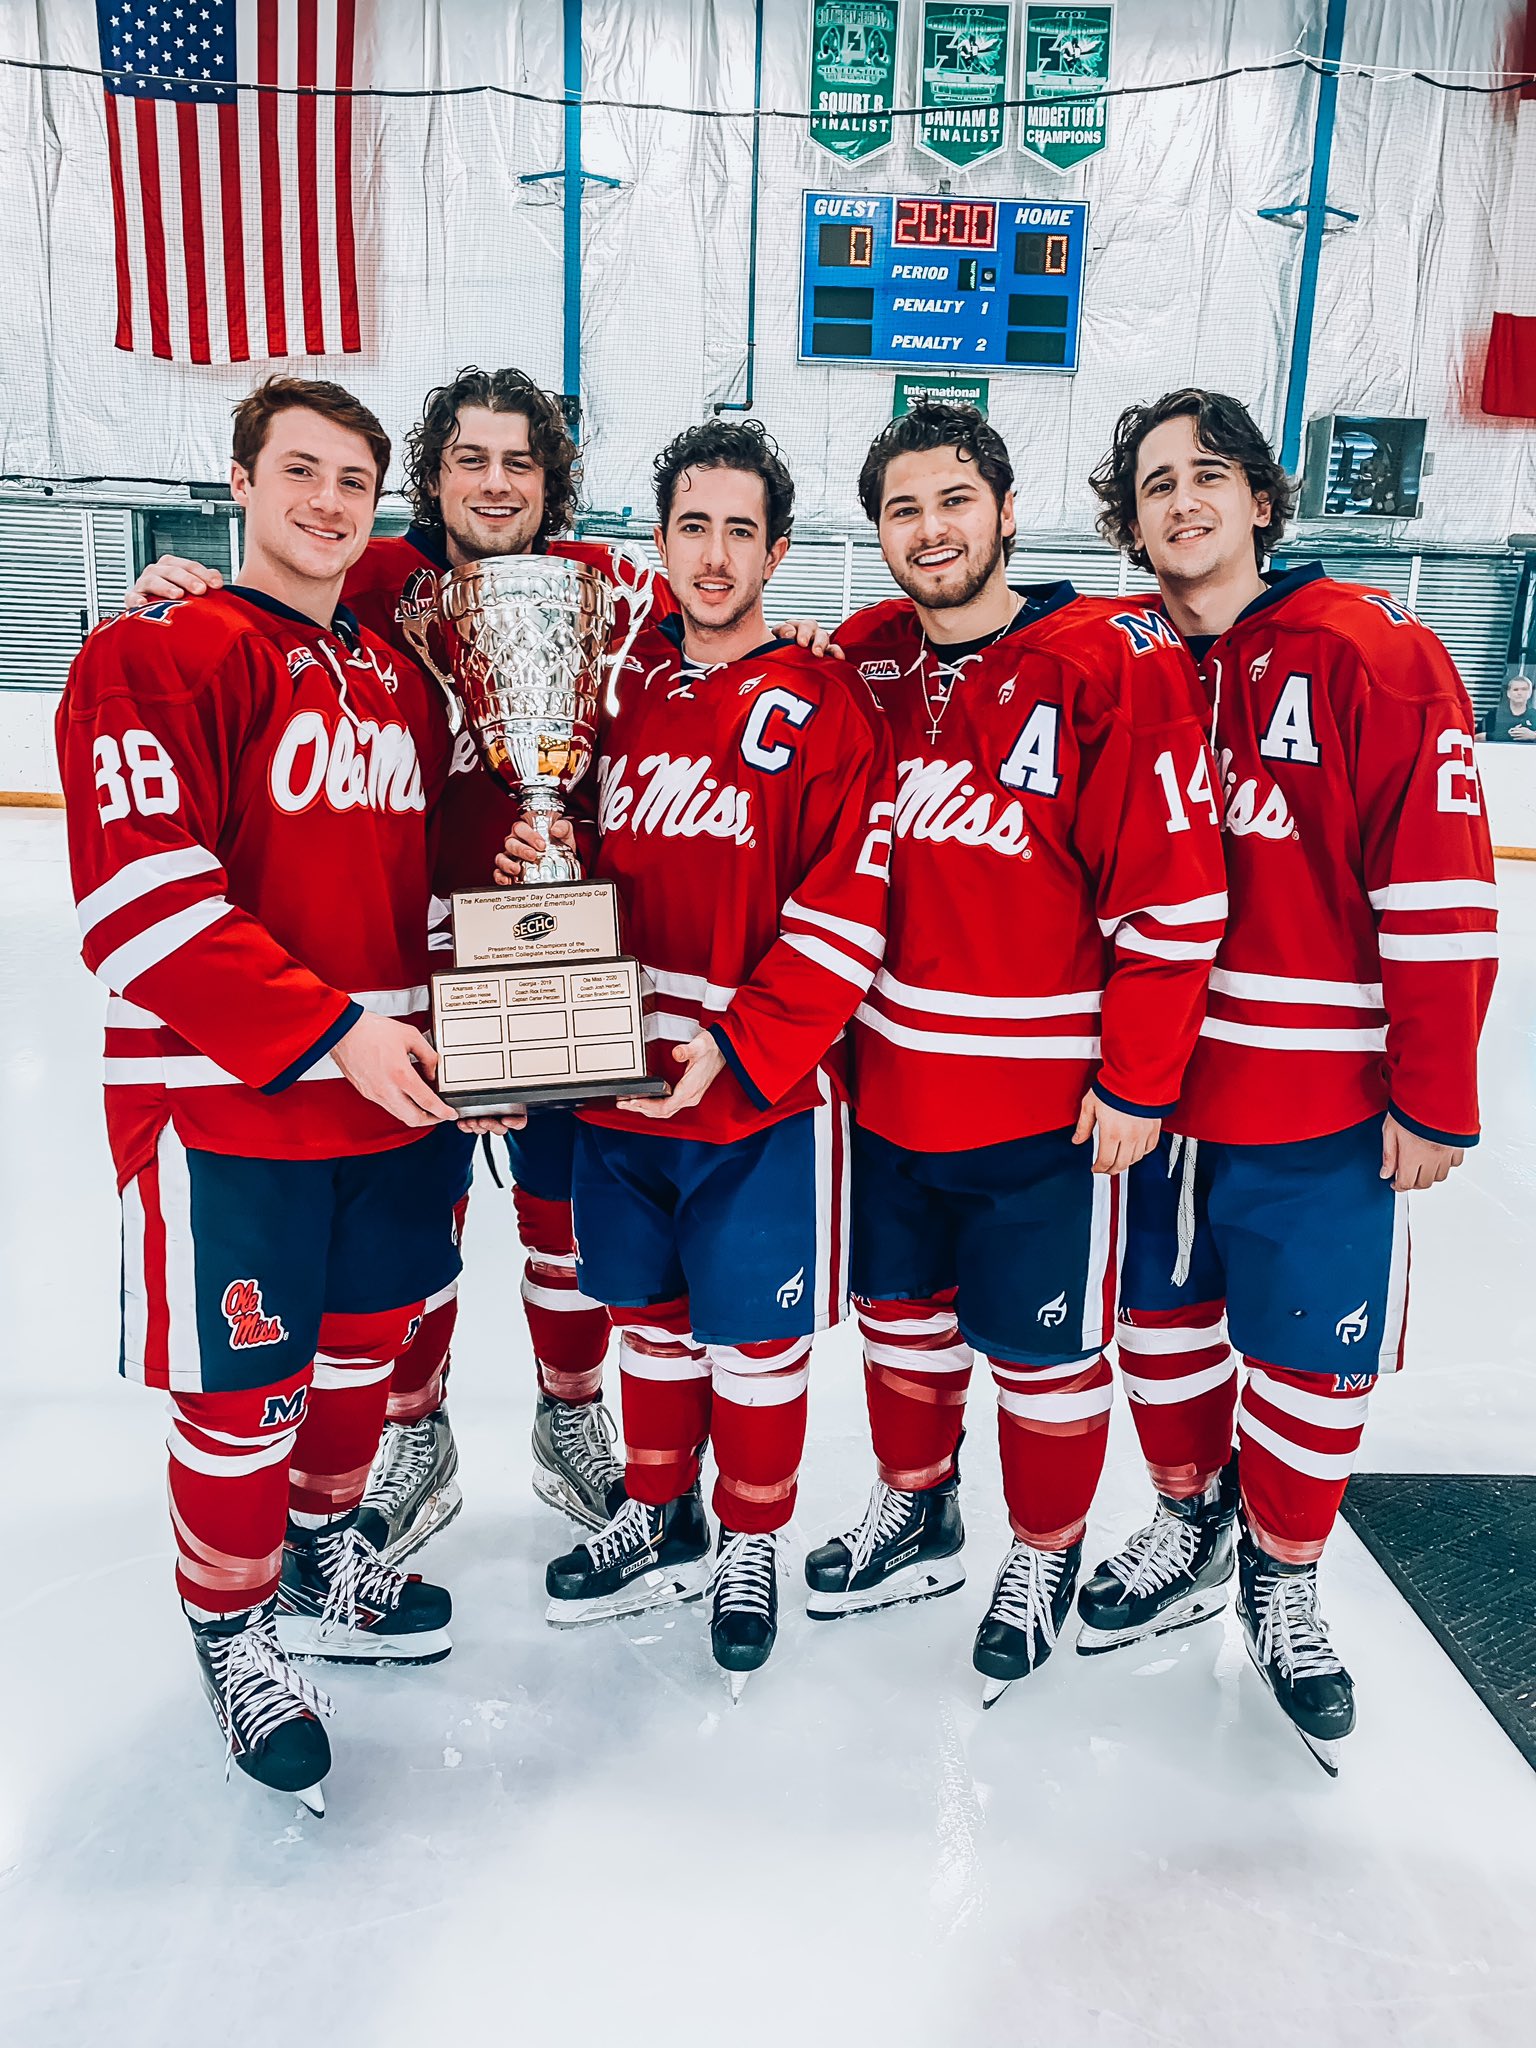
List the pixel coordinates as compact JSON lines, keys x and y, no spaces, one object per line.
{"x":964,"y":71}
{"x":947,"y":390}
{"x":1066,"y":65}
{"x":853,"y":74}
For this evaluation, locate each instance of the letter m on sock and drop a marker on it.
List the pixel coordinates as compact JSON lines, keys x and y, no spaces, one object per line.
{"x":284,"y":1411}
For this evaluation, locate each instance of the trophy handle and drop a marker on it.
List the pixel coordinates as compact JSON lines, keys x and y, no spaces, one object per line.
{"x":637,"y":586}
{"x":418,"y":634}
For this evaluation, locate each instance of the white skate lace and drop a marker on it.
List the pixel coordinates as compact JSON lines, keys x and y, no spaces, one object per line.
{"x":410,"y":1453}
{"x":260,"y":1688}
{"x":1025,"y":1588}
{"x":1291,"y":1631}
{"x":883,"y":1520}
{"x":583,"y":1436}
{"x":743,"y":1577}
{"x":1155,"y":1556}
{"x":629,"y":1533}
{"x":357,"y":1576}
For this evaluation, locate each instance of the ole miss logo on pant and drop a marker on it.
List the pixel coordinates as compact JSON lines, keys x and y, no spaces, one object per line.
{"x":249,"y":1323}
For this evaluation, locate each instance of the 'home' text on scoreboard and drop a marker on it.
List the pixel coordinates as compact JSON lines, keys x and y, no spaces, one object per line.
{"x":941,"y":282}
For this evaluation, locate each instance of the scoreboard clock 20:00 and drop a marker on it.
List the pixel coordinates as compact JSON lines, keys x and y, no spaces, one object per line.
{"x":938,"y":282}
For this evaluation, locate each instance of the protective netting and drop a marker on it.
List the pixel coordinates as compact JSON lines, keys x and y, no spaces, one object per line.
{"x":460,"y":231}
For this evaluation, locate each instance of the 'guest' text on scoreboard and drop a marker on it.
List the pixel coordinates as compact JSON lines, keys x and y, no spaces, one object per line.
{"x":941,"y":282}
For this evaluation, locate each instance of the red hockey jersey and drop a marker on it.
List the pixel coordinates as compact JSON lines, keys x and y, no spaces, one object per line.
{"x":1359,"y":954}
{"x":743,"y":813}
{"x":1056,"y":884}
{"x":393,"y":590}
{"x":248,"y":798}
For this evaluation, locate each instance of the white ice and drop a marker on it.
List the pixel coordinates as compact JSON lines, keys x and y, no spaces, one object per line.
{"x":573,"y":1838}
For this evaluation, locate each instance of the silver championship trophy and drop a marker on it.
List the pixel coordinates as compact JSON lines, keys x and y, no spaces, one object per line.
{"x":541,"y":1005}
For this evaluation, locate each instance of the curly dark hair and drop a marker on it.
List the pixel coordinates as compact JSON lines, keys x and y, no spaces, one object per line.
{"x":1223,"y":425}
{"x":549,"y":442}
{"x":933,"y":424}
{"x":728,"y":444}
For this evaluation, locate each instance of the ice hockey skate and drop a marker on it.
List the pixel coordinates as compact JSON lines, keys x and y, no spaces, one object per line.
{"x":1170,"y":1575}
{"x":744,"y":1605}
{"x":339,"y":1601}
{"x":269,"y":1712}
{"x":646,"y":1557}
{"x":413,"y":1490}
{"x":574,"y":1467}
{"x":1030,"y":1601}
{"x":909,"y":1546}
{"x":1288,"y":1642}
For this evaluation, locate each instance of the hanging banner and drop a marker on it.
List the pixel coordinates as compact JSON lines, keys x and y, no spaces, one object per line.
{"x":1066,"y":65}
{"x":853,"y":74}
{"x":964,"y":67}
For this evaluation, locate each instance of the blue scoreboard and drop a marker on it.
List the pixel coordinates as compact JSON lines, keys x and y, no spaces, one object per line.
{"x":941,"y":283}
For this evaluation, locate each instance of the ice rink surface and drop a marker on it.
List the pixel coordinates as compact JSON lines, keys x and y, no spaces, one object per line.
{"x":573,"y":1838}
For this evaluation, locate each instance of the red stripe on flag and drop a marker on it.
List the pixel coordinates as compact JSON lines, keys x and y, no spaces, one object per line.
{"x":230,"y":204}
{"x":147,"y":136}
{"x":346,"y":246}
{"x":124,"y":337}
{"x":189,"y":148}
{"x":1509,"y":379}
{"x":267,"y":110}
{"x":308,"y":192}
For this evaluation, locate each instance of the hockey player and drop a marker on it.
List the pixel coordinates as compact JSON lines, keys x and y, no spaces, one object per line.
{"x":1336,"y":1069}
{"x":744,"y":806}
{"x":1056,"y":898}
{"x":249,"y":780}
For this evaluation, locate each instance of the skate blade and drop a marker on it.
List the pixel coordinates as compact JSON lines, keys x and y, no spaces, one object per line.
{"x":993,"y":1690}
{"x":1323,"y":1752}
{"x":1094,"y":1642}
{"x":736,"y":1684}
{"x":435,"y":1516}
{"x":902,"y":1589}
{"x":669,"y":1588}
{"x":559,"y":1494}
{"x":301,"y":1635}
{"x":312,"y":1799}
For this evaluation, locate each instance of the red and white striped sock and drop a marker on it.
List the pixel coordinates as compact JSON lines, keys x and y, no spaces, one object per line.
{"x":345,"y":1414}
{"x":917,"y":1369}
{"x":418,"y":1384}
{"x":1297,"y":1435}
{"x":1180,"y":1376}
{"x":569,"y":1330}
{"x":229,"y":1492}
{"x":664,"y":1378}
{"x":1052,"y":1430}
{"x":757,"y":1426}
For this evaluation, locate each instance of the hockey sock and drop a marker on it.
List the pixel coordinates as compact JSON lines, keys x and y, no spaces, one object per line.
{"x":1297,"y":1435}
{"x":229,"y":1492}
{"x":1180,"y":1377}
{"x":418,"y":1383}
{"x":757,"y":1426}
{"x":347,"y":1397}
{"x":569,"y":1330}
{"x":664,"y":1379}
{"x":1052,"y":1431}
{"x":917,"y":1369}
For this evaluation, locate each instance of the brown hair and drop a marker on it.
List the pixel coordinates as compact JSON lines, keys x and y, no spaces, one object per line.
{"x":549,"y":442}
{"x":1224,"y":426}
{"x":254,"y":416}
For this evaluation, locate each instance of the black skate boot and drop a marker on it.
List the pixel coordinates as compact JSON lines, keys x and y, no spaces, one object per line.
{"x":269,"y":1713}
{"x":908,"y":1547}
{"x":1170,"y":1574}
{"x":574,"y":1467}
{"x":341,"y":1602}
{"x":744,"y":1605}
{"x":1286,"y":1638}
{"x":413,"y":1490}
{"x":645,"y":1557}
{"x":1030,"y":1601}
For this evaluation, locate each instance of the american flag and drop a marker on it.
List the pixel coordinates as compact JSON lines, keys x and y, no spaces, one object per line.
{"x":231,"y":210}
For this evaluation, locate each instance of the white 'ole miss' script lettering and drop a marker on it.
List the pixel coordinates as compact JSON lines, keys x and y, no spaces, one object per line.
{"x":1245,"y":814}
{"x":674,"y":796}
{"x":935,"y":801}
{"x":363,"y":764}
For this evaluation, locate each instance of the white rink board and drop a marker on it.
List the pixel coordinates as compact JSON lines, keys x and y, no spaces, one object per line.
{"x":566,"y":1838}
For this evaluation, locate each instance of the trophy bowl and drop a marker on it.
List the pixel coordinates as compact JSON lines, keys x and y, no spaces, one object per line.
{"x":526,"y":637}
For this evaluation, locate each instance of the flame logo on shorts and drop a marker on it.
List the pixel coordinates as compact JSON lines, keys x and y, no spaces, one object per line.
{"x":1054,"y":1313}
{"x":793,"y":1290}
{"x":1351,"y":1328}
